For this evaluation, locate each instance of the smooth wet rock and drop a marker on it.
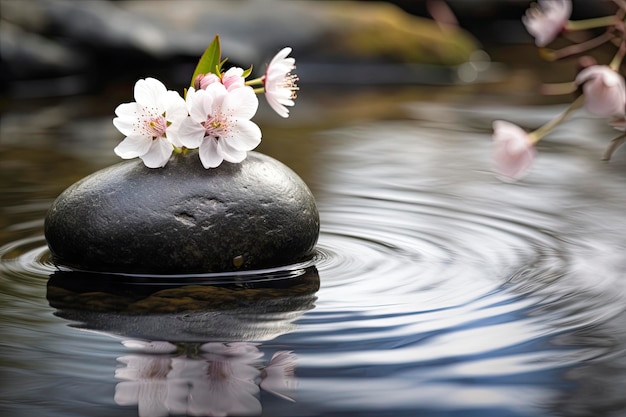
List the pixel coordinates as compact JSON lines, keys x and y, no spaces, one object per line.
{"x":184,"y":219}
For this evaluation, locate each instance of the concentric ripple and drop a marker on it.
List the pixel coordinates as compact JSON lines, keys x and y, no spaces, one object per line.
{"x":438,"y":290}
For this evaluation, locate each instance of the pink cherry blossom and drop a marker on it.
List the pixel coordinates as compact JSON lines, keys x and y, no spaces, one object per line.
{"x":219,"y":124}
{"x":514,"y":151}
{"x":150,"y":123}
{"x":280,"y":84}
{"x":546,"y":19}
{"x":604,"y":89}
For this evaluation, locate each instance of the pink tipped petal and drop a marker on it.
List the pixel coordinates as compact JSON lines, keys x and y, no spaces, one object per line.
{"x":133,"y":147}
{"x":233,"y":78}
{"x":513,"y":151}
{"x":604,"y":89}
{"x":207,"y":79}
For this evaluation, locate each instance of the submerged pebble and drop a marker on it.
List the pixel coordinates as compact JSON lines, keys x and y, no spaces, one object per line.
{"x":183,"y":219}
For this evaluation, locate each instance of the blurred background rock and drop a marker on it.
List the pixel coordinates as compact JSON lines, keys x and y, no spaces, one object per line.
{"x":64,"y":47}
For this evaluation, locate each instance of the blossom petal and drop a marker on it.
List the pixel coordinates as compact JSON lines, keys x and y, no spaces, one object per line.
{"x":126,"y":117}
{"x":281,"y":110}
{"x":133,"y":146}
{"x":148,"y":92}
{"x":241,"y":103}
{"x":244,"y":136}
{"x":174,"y":106}
{"x":233,"y":78}
{"x":230,"y":154}
{"x":281,"y":57}
{"x":209,"y":156}
{"x":190,"y":133}
{"x":159,"y":153}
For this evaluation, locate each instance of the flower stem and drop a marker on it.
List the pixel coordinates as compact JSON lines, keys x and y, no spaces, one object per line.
{"x":615,"y":143}
{"x":556,"y":89}
{"x":593,"y":23}
{"x":259,"y":90}
{"x":619,"y":56}
{"x":553,"y":55}
{"x":256,"y":81}
{"x":539,"y":134}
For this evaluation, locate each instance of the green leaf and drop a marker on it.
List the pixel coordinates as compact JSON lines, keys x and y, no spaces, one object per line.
{"x":210,"y":60}
{"x":247,"y":72}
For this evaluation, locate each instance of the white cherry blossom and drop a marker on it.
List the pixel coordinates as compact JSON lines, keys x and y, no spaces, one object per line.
{"x":280,"y":85}
{"x":604,"y":89}
{"x":150,"y":123}
{"x":219,"y":124}
{"x":546,"y":19}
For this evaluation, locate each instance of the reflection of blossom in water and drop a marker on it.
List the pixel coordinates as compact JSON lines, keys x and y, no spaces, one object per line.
{"x":219,"y":384}
{"x":279,"y":375}
{"x":146,"y":384}
{"x":222,"y":380}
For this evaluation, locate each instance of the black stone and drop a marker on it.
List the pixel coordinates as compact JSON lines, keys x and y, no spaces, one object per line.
{"x":183,"y":219}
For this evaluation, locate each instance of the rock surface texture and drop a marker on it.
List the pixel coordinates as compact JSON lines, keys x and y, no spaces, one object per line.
{"x":184,"y":219}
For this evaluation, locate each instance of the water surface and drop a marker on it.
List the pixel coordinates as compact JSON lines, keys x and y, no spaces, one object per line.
{"x":436,"y":289}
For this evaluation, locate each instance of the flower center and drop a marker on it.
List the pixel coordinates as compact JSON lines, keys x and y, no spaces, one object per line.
{"x":214,"y":127}
{"x":289,"y":83}
{"x":153,"y":124}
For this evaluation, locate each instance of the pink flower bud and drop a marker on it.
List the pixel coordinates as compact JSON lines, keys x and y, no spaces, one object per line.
{"x":604,"y":90}
{"x":233,"y":78}
{"x":514,"y":151}
{"x":208,"y":79}
{"x":546,"y":19}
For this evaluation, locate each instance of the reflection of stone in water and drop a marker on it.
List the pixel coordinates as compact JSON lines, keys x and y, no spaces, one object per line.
{"x":229,"y":311}
{"x":218,"y":379}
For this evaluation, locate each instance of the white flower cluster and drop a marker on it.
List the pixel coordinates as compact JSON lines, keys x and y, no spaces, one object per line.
{"x":213,"y":117}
